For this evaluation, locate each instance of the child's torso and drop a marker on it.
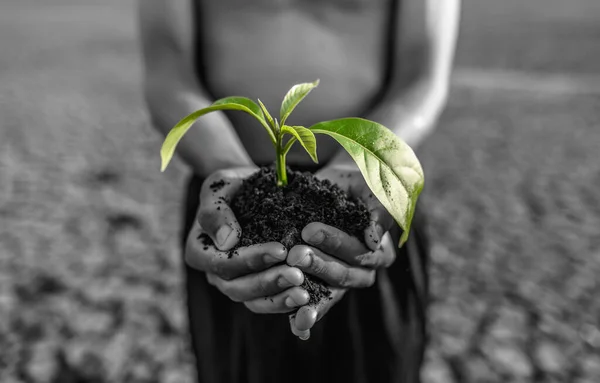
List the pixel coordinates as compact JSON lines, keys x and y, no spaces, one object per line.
{"x":259,"y":49}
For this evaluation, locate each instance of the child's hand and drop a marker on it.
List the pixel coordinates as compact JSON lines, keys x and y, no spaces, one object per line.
{"x":249,"y":276}
{"x":341,"y":260}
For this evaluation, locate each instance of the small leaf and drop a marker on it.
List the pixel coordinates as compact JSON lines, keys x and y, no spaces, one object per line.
{"x":231,"y":103}
{"x":254,"y":110}
{"x":306,"y":137}
{"x":293,"y":98}
{"x":243,"y":101}
{"x":268,"y":116}
{"x":388,"y":164}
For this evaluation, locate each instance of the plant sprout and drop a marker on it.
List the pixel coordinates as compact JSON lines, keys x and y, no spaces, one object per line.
{"x":388,"y":165}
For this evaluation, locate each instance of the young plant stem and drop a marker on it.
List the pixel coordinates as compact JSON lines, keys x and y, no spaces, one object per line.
{"x":280,"y":165}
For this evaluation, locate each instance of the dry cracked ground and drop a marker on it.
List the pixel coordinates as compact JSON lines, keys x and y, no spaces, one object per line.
{"x":90,"y":282}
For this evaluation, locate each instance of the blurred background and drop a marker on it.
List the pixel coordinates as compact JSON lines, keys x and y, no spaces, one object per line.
{"x":90,"y":282}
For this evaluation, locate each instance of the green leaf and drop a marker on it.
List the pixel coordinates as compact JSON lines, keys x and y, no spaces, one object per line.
{"x":268,"y":116}
{"x":305,"y":137}
{"x":230,"y":103}
{"x":388,"y":164}
{"x":253,"y":108}
{"x":293,"y":98}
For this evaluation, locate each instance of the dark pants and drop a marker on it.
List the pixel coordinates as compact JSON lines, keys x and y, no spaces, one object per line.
{"x":374,"y":335}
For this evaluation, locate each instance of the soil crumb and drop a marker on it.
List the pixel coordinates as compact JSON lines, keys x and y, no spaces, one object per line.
{"x":217,"y":185}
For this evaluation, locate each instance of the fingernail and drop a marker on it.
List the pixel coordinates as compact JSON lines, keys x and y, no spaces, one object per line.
{"x":318,"y":238}
{"x":290,"y":302}
{"x":303,"y":299}
{"x":305,"y":261}
{"x":305,"y":336}
{"x":289,"y":280}
{"x":275,"y":257}
{"x":269,"y":259}
{"x":283,"y":282}
{"x":222,"y":234}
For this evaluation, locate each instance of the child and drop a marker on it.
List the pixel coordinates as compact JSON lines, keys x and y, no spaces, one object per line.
{"x":385,"y":60}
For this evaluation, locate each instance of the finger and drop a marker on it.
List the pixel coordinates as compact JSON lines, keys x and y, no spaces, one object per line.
{"x":305,"y":319}
{"x":380,"y":220}
{"x":307,"y":316}
{"x":281,"y":303}
{"x":329,"y":269}
{"x":373,"y":234}
{"x":220,"y":225}
{"x":215,"y":215}
{"x":251,"y":259}
{"x":303,"y":335}
{"x":382,"y":257}
{"x":259,"y":285}
{"x":202,"y":255}
{"x":333,"y":241}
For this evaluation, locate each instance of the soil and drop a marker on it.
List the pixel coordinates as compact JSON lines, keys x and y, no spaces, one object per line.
{"x":217,"y":185}
{"x":269,"y":213}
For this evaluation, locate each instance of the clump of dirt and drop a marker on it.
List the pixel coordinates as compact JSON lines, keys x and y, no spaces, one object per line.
{"x":317,"y":291}
{"x":217,"y":185}
{"x":269,"y":213}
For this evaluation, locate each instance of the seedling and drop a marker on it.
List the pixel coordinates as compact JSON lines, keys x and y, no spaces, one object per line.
{"x":388,"y":165}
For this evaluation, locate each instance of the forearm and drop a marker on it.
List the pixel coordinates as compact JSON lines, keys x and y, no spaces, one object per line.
{"x":211,"y":144}
{"x":412,"y":113}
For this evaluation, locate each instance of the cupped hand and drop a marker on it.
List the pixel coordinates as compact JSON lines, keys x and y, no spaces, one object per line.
{"x":340,"y":260}
{"x":254,"y":275}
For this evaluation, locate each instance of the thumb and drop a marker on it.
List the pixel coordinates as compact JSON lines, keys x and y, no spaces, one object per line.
{"x":220,"y":225}
{"x":380,"y":220}
{"x":215,"y":215}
